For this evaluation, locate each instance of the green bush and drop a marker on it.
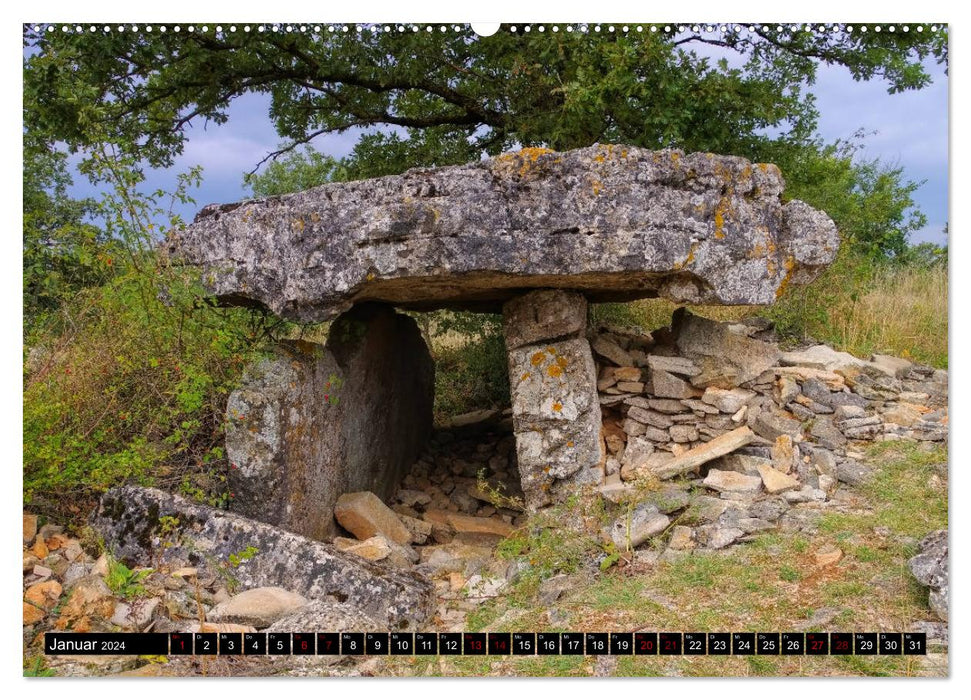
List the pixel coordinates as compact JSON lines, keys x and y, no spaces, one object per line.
{"x":470,"y":361}
{"x":127,"y":381}
{"x":134,"y":392}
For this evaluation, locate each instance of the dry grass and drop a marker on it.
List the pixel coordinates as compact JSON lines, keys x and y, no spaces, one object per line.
{"x":898,"y":311}
{"x":903,"y":313}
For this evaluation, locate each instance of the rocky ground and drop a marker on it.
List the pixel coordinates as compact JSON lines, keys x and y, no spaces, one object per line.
{"x":781,"y":442}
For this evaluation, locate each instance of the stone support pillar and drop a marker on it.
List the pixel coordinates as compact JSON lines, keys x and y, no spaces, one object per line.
{"x":553,"y":383}
{"x":312,"y":422}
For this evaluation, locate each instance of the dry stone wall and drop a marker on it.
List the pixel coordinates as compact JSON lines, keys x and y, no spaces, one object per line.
{"x":765,"y":436}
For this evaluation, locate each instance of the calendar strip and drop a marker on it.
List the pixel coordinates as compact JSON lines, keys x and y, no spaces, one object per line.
{"x":490,"y":644}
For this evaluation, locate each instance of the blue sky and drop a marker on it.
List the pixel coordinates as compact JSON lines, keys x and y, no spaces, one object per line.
{"x":911,"y":130}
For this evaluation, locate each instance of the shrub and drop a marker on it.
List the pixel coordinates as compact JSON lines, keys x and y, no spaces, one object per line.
{"x":127,"y":381}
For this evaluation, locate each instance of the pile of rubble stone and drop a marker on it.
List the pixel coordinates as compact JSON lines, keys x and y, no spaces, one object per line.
{"x":721,"y":406}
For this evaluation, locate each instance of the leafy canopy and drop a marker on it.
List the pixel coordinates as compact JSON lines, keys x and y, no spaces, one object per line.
{"x":431,"y":98}
{"x":455,"y":94}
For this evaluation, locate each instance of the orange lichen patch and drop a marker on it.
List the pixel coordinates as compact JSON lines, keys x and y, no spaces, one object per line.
{"x":570,"y":443}
{"x":606,"y":151}
{"x":554,"y":371}
{"x":562,"y":361}
{"x":597,"y":187}
{"x":557,"y":406}
{"x":370,"y":276}
{"x":691,"y":256}
{"x":723,"y":210}
{"x":525,"y":157}
{"x":298,"y":224}
{"x":525,"y":376}
{"x":551,"y":350}
{"x":537,"y":358}
{"x":790,"y":266}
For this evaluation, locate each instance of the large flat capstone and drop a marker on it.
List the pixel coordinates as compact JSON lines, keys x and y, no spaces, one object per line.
{"x":146,"y":527}
{"x":612,"y":222}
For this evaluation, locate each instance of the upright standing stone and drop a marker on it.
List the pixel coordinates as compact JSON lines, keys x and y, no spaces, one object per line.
{"x":553,"y":382}
{"x":312,"y":422}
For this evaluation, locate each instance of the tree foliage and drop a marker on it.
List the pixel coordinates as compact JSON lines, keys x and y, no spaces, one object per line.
{"x":63,"y":250}
{"x":453,"y":94}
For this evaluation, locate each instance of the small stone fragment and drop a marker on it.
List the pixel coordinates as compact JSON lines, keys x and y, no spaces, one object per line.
{"x":775,"y":481}
{"x":681,"y":538}
{"x":258,"y":607}
{"x":666,"y":385}
{"x":727,"y":400}
{"x":723,"y":481}
{"x":364,"y":515}
{"x":674,"y":365}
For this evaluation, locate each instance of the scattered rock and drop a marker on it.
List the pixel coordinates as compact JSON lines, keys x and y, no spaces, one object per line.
{"x":775,"y":481}
{"x":726,"y":359}
{"x":373,"y":549}
{"x":696,"y":456}
{"x":683,"y":433}
{"x":325,"y":615}
{"x":773,"y":423}
{"x":930,"y":568}
{"x":770,"y":509}
{"x":666,"y":385}
{"x":479,"y":531}
{"x":365,"y":515}
{"x":453,"y":557}
{"x":608,"y":349}
{"x":30,"y":527}
{"x":645,"y":521}
{"x":727,"y":400}
{"x":39,"y":600}
{"x":90,"y":598}
{"x":714,"y":537}
{"x":853,"y":473}
{"x":681,"y":538}
{"x":129,"y":520}
{"x":732,"y":482}
{"x":674,"y":365}
{"x":894,"y":366}
{"x":828,"y":556}
{"x":136,"y":614}
{"x":257,"y":607}
{"x":821,"y":357}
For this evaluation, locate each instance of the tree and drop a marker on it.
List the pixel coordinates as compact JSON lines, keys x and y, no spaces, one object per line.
{"x":295,"y":172}
{"x":871,"y":202}
{"x":63,"y":250}
{"x":457,"y":93}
